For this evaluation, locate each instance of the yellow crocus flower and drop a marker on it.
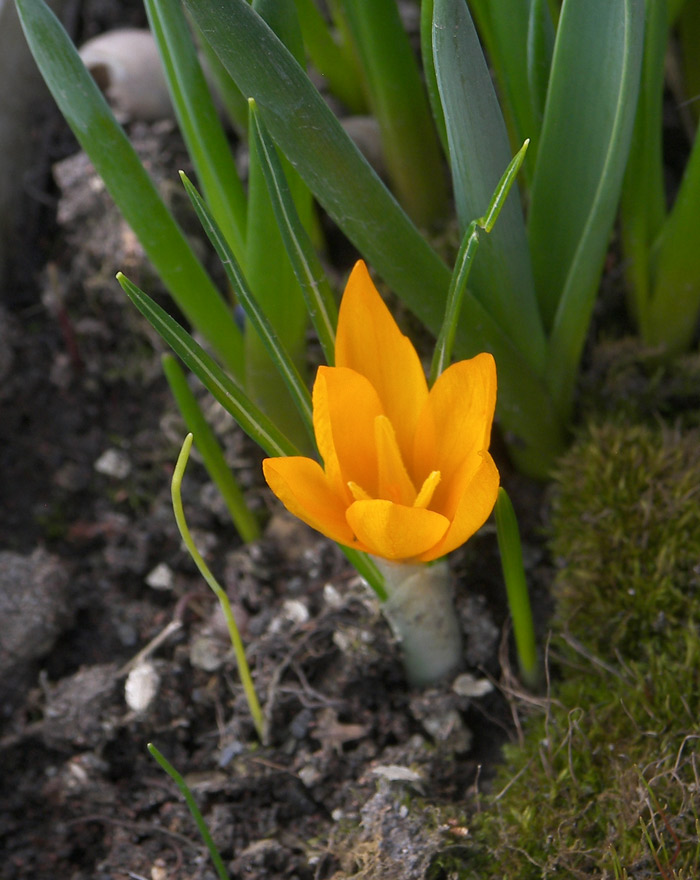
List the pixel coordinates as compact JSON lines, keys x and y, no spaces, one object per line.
{"x":407,"y":475}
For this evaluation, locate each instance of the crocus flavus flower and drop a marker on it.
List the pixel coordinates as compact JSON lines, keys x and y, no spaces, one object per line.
{"x":406,"y":473}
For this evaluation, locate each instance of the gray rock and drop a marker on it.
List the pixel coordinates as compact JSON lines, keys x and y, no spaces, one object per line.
{"x":34,"y":610}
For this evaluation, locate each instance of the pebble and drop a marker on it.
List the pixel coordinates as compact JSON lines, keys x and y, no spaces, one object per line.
{"x":142,"y":685}
{"x":161,"y":577}
{"x":113,"y":463}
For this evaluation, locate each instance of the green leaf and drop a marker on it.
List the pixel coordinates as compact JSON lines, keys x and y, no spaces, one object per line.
{"x":505,"y":28}
{"x":643,"y":201}
{"x":244,"y":520}
{"x":540,"y":46}
{"x":234,"y":400}
{"x":463,"y":264}
{"x":268,"y":270}
{"x":675,"y":301}
{"x":305,"y":262}
{"x":399,"y":103}
{"x":479,"y":151}
{"x":179,"y":780}
{"x":217,"y":589}
{"x":584,"y":145}
{"x":198,"y":120}
{"x":315,"y":143}
{"x":116,"y":162}
{"x":258,"y":320}
{"x":511,"y":551}
{"x":330,"y":57}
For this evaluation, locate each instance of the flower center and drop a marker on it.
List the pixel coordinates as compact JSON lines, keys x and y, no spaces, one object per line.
{"x":393,"y":481}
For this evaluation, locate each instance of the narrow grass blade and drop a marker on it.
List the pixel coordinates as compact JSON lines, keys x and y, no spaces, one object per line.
{"x":233,"y":102}
{"x":675,"y":302}
{"x":234,"y":400}
{"x":198,"y":121}
{"x":511,"y":552}
{"x":268,"y":270}
{"x":399,"y":103}
{"x":501,"y":279}
{"x":259,"y":322}
{"x":505,"y":27}
{"x":426,"y":47}
{"x":463,"y":264}
{"x":243,"y":518}
{"x":540,"y":46}
{"x":643,"y":201}
{"x":217,"y":589}
{"x":195,"y":812}
{"x":307,"y":267}
{"x":330,"y":57}
{"x":581,"y":161}
{"x":116,"y":162}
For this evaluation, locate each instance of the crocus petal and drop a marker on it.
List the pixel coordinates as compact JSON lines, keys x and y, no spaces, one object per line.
{"x":393,"y":481}
{"x":303,"y":488}
{"x":473,"y":508}
{"x":427,"y":490}
{"x":345,"y":407}
{"x":369,"y":341}
{"x":393,"y":531}
{"x":455,"y":421}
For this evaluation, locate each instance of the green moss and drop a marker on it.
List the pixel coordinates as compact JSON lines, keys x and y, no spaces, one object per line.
{"x":606,"y":782}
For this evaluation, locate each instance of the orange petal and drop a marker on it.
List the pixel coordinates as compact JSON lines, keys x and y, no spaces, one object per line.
{"x":369,"y":342}
{"x":393,"y":481}
{"x":393,"y":531}
{"x":345,"y":407}
{"x":456,"y":420}
{"x":301,"y":485}
{"x":427,"y":490}
{"x":473,"y":508}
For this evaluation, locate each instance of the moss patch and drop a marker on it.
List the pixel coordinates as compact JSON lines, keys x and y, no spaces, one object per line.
{"x":606,"y":782}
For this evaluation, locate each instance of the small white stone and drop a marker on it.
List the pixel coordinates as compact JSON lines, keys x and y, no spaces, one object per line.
{"x":397,"y":773}
{"x":309,"y":775}
{"x":332,"y":596}
{"x":141,"y":686}
{"x":113,"y":463}
{"x":161,"y":578}
{"x":467,"y":685}
{"x":295,"y":611}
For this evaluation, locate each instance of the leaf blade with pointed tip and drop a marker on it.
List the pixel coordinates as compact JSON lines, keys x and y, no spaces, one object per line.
{"x":116,"y":162}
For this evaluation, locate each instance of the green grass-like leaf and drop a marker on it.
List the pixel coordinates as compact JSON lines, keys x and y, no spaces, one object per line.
{"x":116,"y":162}
{"x":399,"y":103}
{"x":199,"y":123}
{"x":580,"y":164}
{"x":234,"y":400}
{"x":243,"y":518}
{"x":259,"y":322}
{"x":320,"y":303}
{"x":479,"y":151}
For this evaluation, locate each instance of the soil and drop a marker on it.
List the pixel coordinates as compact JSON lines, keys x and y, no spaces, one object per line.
{"x":360,"y":774}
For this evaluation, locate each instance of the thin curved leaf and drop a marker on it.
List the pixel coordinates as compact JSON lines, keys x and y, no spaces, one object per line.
{"x":116,"y":162}
{"x":230,"y":395}
{"x":199,"y":122}
{"x":479,"y":151}
{"x":583,"y":150}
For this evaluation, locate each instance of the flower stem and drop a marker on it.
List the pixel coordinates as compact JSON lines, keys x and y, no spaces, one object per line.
{"x":421,"y":613}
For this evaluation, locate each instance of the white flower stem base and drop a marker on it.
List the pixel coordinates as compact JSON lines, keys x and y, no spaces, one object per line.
{"x":420,"y":610}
